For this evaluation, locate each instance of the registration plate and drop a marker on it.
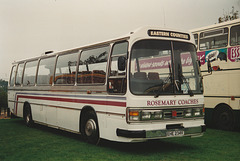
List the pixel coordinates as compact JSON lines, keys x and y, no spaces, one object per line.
{"x":175,"y":133}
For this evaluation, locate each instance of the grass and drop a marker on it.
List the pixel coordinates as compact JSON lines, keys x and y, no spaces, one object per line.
{"x":18,"y":142}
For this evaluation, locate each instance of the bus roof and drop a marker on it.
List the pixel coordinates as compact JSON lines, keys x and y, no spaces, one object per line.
{"x":147,"y":31}
{"x":237,"y":21}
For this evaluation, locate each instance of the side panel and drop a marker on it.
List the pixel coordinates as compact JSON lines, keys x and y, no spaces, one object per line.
{"x":11,"y":100}
{"x":68,"y":118}
{"x":39,"y":113}
{"x":222,"y":86}
{"x":223,"y":83}
{"x":51,"y":115}
{"x":62,"y":110}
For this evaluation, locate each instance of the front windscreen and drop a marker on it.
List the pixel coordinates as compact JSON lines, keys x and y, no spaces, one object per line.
{"x":160,"y":67}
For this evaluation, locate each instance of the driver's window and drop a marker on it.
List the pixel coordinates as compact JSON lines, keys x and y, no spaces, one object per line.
{"x":185,"y":73}
{"x":151,"y":67}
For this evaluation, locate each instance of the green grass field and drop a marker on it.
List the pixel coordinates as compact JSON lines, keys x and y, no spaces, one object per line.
{"x":18,"y":142}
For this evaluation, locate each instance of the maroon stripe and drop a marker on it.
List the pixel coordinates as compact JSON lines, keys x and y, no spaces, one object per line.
{"x":96,"y":102}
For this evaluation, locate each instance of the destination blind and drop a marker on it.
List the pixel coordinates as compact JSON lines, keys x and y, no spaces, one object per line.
{"x":171,"y":34}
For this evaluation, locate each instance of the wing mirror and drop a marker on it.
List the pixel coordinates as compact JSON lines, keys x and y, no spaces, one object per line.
{"x":121,"y":63}
{"x":209,"y":66}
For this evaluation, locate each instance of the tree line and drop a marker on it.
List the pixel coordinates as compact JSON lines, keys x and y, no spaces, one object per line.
{"x":3,"y":94}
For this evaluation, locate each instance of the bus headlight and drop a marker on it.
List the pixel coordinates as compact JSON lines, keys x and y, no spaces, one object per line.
{"x":134,"y":115}
{"x":198,"y":112}
{"x":158,"y":115}
{"x":188,"y":112}
{"x":151,"y":115}
{"x":193,"y":112}
{"x":145,"y":115}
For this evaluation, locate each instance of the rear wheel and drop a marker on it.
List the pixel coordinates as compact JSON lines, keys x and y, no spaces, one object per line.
{"x":27,"y":115}
{"x":89,"y":128}
{"x":224,"y":118}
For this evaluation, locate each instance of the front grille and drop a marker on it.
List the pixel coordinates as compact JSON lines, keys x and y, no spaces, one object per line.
{"x":169,"y":114}
{"x":139,"y":115}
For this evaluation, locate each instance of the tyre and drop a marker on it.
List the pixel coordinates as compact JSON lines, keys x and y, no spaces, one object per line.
{"x":224,"y":118}
{"x":27,"y":115}
{"x":89,"y":128}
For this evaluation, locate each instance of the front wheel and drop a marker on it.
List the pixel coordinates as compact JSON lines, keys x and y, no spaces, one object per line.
{"x":89,"y":128}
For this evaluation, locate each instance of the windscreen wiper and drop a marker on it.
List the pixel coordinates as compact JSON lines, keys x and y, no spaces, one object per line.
{"x":170,"y":78}
{"x":190,"y":92}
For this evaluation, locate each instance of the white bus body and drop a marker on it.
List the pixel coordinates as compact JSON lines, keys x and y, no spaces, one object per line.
{"x":145,"y":85}
{"x":220,"y":44}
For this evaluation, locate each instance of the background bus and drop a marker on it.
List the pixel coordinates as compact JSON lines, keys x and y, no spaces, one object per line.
{"x":146,"y":85}
{"x":220,"y":44}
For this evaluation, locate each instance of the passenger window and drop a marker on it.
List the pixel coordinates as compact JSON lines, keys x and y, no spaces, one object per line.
{"x":19,"y":74}
{"x":213,"y":39}
{"x":117,"y":79}
{"x":13,"y":75}
{"x":66,"y":69}
{"x":92,"y":66}
{"x":235,"y":35}
{"x":30,"y":73}
{"x":45,"y":71}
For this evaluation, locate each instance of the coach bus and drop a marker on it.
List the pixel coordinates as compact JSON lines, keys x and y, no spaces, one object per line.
{"x":144,"y":85}
{"x":220,"y":45}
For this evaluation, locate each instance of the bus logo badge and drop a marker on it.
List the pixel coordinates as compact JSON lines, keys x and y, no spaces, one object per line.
{"x":234,"y":54}
{"x":174,"y":114}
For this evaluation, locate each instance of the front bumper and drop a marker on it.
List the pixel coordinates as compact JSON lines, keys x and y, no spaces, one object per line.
{"x":152,"y":134}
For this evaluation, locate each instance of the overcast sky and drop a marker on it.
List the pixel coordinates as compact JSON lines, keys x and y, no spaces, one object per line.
{"x":28,"y":28}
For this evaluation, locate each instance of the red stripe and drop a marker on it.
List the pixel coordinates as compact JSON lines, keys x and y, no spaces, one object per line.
{"x":95,"y":102}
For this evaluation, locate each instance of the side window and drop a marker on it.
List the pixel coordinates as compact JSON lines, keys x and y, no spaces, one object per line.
{"x":19,"y":74}
{"x":66,"y":69}
{"x":92,"y":66}
{"x":45,"y":71}
{"x":12,"y":78}
{"x":235,"y":35}
{"x":119,"y":49}
{"x":213,"y":39}
{"x":117,"y":79}
{"x":30,"y":73}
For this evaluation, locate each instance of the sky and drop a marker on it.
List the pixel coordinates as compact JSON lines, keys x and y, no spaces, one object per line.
{"x":28,"y":28}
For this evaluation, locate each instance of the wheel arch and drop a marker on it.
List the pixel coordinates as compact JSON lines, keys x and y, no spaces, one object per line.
{"x":223,"y":105}
{"x":25,"y":105}
{"x":27,"y":114}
